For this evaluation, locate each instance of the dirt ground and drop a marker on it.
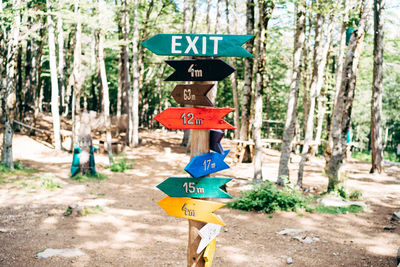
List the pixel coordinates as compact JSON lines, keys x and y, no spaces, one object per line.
{"x":130,"y":229}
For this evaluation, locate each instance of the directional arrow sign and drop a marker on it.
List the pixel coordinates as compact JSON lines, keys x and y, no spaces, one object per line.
{"x":199,"y":70}
{"x":215,"y":139}
{"x":193,"y":209}
{"x":208,"y":232}
{"x":205,"y":164}
{"x":194,"y":187}
{"x":192,"y":94}
{"x":210,"y":45}
{"x":209,"y":253}
{"x":194,"y":118}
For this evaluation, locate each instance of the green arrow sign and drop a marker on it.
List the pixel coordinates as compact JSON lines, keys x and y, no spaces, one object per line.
{"x":209,"y":45}
{"x":194,"y":187}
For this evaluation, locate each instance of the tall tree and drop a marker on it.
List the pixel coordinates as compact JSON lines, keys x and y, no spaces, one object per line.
{"x":248,"y":73}
{"x":77,"y":76}
{"x":377,"y":88}
{"x":291,"y":112}
{"x":323,"y":31}
{"x":233,"y":62}
{"x":135,"y":77}
{"x":344,"y":104}
{"x":61,"y":60}
{"x":194,"y":11}
{"x":104,"y":84}
{"x":265,"y":8}
{"x":8,"y":91}
{"x":54,"y":82}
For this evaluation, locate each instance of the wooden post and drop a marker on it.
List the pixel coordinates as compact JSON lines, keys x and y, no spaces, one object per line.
{"x":200,"y":144}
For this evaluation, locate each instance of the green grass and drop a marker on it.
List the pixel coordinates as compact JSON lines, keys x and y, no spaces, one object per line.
{"x":121,"y":164}
{"x":268,"y":198}
{"x":336,"y":210}
{"x":87,"y":178}
{"x":366,"y":156}
{"x":49,"y":184}
{"x":19,"y":169}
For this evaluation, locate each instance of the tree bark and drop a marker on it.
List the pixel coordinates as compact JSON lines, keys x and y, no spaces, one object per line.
{"x":291,"y":113}
{"x":194,"y":11}
{"x":135,"y":95}
{"x":377,"y":88}
{"x":54,"y":82}
{"x":248,"y":74}
{"x":8,"y":92}
{"x":77,"y":78}
{"x":61,"y":63}
{"x":265,"y":8}
{"x":342,"y":112}
{"x":323,"y":26}
{"x":233,"y":77}
{"x":104,"y":83}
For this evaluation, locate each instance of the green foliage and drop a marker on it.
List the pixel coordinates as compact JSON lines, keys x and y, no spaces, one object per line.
{"x":337,"y":210}
{"x":266,"y":197}
{"x":50,"y":184}
{"x":86,"y":178}
{"x":121,"y":164}
{"x":361,"y":156}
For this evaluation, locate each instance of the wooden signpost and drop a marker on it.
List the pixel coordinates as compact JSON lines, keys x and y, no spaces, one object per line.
{"x":202,"y":236}
{"x":193,"y":209}
{"x":194,"y":118}
{"x":209,"y":45}
{"x":199,"y":70}
{"x":205,"y":187}
{"x":206,"y":164}
{"x":192,"y":94}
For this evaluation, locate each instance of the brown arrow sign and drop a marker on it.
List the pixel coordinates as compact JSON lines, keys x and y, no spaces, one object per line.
{"x":192,"y":94}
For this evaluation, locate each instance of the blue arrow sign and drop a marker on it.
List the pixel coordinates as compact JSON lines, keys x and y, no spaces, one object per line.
{"x":204,"y":187}
{"x":209,"y":45}
{"x":215,"y":139}
{"x":205,"y":164}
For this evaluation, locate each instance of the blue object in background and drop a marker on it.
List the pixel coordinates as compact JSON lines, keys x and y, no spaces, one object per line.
{"x":75,"y":160}
{"x":348,"y":34}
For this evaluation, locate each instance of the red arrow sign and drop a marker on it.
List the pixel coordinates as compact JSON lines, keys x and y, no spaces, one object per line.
{"x":194,"y":118}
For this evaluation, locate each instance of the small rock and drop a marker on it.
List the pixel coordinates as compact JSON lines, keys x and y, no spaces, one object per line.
{"x":291,"y":231}
{"x":225,"y":229}
{"x":306,"y":240}
{"x":50,"y":252}
{"x":396,"y":216}
{"x":289,"y":260}
{"x":389,"y":228}
{"x":335,"y":254}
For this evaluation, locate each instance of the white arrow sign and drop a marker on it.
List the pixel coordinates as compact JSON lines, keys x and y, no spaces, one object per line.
{"x":208,"y":233}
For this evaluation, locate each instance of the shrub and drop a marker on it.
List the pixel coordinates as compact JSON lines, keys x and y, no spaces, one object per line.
{"x":266,"y":197}
{"x":120,"y":165}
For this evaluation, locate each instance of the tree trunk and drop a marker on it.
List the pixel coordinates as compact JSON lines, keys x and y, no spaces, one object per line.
{"x":342,"y":112}
{"x":208,"y":16}
{"x":106,"y":99}
{"x":377,"y":88}
{"x":77,"y":78}
{"x":193,"y":24}
{"x":233,"y":77}
{"x":38,"y":78}
{"x":135,"y":95}
{"x":125,"y":70}
{"x":61,"y":63}
{"x":265,"y":8}
{"x":321,"y":46}
{"x":8,"y":92}
{"x":54,"y":82}
{"x":291,"y":113}
{"x":248,"y":74}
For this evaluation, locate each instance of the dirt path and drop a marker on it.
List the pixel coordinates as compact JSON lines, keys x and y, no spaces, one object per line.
{"x":130,"y":229}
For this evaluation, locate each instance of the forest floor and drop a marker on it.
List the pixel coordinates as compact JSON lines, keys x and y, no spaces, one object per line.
{"x":126,"y":227}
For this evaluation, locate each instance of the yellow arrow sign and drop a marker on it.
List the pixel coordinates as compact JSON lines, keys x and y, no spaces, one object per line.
{"x":193,"y":209}
{"x":209,"y":253}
